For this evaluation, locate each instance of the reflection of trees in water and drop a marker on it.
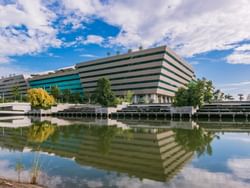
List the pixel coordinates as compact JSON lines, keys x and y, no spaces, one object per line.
{"x":196,"y":140}
{"x":37,"y":134}
{"x":40,"y":132}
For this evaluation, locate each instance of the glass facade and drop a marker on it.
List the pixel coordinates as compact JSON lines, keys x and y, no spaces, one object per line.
{"x":71,"y":82}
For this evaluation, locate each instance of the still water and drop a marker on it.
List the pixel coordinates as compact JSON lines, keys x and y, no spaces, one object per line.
{"x":125,"y":153}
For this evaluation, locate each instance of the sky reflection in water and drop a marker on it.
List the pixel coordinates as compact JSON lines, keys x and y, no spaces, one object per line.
{"x":130,"y":154}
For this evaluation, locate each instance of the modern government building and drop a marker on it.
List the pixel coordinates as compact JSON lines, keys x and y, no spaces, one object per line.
{"x":153,"y":75}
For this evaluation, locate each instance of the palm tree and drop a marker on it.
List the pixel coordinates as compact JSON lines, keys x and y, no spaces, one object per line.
{"x":229,"y":97}
{"x":241,"y":96}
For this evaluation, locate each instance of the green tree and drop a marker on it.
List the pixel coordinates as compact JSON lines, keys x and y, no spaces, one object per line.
{"x":229,"y":97}
{"x":128,"y":97}
{"x":209,"y":89}
{"x":66,"y":95}
{"x":16,"y":93}
{"x":76,"y":97}
{"x":55,"y":92}
{"x":87,"y":97}
{"x":195,"y":94}
{"x":39,"y":98}
{"x":103,"y":93}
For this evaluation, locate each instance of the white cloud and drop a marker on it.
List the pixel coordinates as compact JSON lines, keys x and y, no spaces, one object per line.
{"x":25,"y":28}
{"x":89,"y":55}
{"x":7,"y":69}
{"x":240,"y":167}
{"x":244,"y":83}
{"x":189,"y":177}
{"x":89,"y":39}
{"x":241,"y":55}
{"x":93,"y":39}
{"x":235,"y":88}
{"x":243,"y":137}
{"x":189,"y":26}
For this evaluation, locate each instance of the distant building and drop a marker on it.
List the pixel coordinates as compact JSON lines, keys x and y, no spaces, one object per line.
{"x":66,"y":78}
{"x":7,"y":85}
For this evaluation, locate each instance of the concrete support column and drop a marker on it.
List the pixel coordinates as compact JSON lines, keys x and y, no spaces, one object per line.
{"x":162,"y":99}
{"x":154,"y":98}
{"x":147,"y":98}
{"x":135,"y":99}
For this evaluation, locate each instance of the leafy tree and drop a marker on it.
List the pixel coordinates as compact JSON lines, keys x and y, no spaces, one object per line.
{"x":229,"y":97}
{"x":16,"y":93}
{"x":196,"y":94}
{"x":55,"y":92}
{"x":103,"y":93}
{"x":39,"y":98}
{"x":87,"y":97}
{"x":209,"y":88}
{"x":76,"y":97}
{"x":128,"y":97}
{"x":66,"y":95}
{"x":218,"y":95}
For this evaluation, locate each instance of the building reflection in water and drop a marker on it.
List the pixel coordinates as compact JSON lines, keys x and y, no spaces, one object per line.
{"x":138,"y":149}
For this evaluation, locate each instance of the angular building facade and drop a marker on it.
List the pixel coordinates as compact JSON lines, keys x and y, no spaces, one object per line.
{"x":11,"y":83}
{"x":153,"y":75}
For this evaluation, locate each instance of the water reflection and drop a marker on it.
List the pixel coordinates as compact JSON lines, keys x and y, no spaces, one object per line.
{"x":138,"y":150}
{"x":197,"y":140}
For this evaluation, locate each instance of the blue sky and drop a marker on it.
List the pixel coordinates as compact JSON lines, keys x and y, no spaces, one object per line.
{"x":214,"y":37}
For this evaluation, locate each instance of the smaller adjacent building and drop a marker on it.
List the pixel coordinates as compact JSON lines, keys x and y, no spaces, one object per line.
{"x":66,"y":78}
{"x":14,"y":85}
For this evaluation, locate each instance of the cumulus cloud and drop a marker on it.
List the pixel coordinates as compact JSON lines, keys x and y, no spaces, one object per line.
{"x":25,"y":28}
{"x":188,"y":26}
{"x":191,"y":27}
{"x":240,"y":167}
{"x":190,"y":177}
{"x":241,"y":55}
{"x":93,"y":39}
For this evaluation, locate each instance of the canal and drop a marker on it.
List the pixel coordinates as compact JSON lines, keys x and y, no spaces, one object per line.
{"x":66,"y":153}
